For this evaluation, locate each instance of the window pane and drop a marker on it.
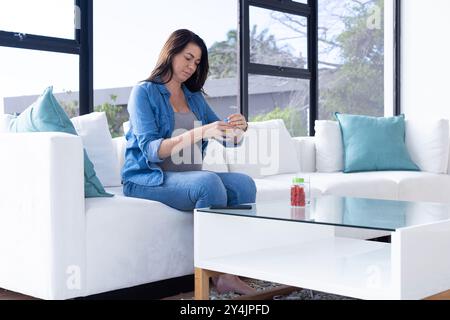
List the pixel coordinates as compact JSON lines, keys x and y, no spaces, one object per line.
{"x":351,"y":57}
{"x":280,"y":98}
{"x":26,"y":73}
{"x":52,"y":18}
{"x":278,"y":38}
{"x":222,"y":96}
{"x":127,"y":46}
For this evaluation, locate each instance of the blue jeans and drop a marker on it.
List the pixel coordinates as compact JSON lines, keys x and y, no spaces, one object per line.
{"x":197,"y":189}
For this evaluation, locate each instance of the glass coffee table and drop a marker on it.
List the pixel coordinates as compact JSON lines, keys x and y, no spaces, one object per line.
{"x":316,"y":248}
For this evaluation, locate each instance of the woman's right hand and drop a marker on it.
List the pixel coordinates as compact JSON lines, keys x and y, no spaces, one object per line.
{"x":216,"y":130}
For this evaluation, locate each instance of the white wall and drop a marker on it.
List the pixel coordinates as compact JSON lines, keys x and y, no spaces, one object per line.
{"x":426,"y":58}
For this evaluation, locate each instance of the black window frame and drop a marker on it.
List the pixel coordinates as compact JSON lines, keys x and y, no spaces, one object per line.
{"x":310,"y":11}
{"x":397,"y":57}
{"x":82,"y":46}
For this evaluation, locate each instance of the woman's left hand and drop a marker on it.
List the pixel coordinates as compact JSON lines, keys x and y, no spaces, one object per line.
{"x":238,"y":121}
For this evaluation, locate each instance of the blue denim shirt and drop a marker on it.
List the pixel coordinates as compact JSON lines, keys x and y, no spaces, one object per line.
{"x":152,"y":121}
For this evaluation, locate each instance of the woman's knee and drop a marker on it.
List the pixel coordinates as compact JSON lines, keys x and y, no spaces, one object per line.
{"x":210,"y":180}
{"x":248,"y":188}
{"x":212,"y":189}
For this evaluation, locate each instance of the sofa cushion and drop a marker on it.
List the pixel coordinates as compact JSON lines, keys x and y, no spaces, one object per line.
{"x":267,"y":150}
{"x":94,"y":131}
{"x":46,"y":115}
{"x":133,"y":241}
{"x":126,"y":127}
{"x":423,"y":186}
{"x":285,"y":181}
{"x":373,"y":185}
{"x":428,"y":143}
{"x":268,"y":190}
{"x":329,"y":148}
{"x":306,"y":153}
{"x":120,"y":144}
{"x":5,"y":120}
{"x":374,"y":144}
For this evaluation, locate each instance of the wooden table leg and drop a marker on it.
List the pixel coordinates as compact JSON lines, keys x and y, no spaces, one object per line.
{"x":202,"y":277}
{"x":201,"y":284}
{"x":441,"y":296}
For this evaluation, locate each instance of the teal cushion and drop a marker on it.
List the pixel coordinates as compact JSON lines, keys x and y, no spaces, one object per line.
{"x":46,"y":115}
{"x":374,"y":144}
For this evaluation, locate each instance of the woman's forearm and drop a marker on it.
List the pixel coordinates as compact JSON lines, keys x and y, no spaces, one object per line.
{"x":174,"y":145}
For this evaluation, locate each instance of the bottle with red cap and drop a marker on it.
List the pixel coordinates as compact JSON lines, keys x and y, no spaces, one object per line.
{"x":298,"y":194}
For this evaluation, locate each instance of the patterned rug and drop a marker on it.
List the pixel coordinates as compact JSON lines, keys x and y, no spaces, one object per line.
{"x":302,"y":294}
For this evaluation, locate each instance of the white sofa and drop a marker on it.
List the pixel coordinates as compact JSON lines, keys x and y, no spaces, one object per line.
{"x":55,"y":244}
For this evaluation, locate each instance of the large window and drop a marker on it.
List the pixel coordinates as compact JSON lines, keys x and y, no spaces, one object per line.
{"x":298,"y":60}
{"x":129,"y":36}
{"x":278,"y":62}
{"x":26,"y":73}
{"x":51,"y":18}
{"x":356,"y":57}
{"x":46,"y":43}
{"x":306,"y":60}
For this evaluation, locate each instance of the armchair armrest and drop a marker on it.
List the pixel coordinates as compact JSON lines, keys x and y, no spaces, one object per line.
{"x":306,"y":152}
{"x":42,"y":216}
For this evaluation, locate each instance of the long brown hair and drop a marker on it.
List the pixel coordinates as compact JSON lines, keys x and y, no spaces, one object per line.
{"x":176,"y":43}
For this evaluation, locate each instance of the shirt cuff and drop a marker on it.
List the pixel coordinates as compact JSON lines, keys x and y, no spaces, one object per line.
{"x":153,"y":150}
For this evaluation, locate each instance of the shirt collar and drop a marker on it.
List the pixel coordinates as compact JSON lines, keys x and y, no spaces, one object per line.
{"x":163,"y":89}
{"x":188,"y":93}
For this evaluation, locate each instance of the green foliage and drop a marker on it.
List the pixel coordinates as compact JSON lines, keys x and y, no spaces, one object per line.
{"x":71,"y":108}
{"x":291,"y":116}
{"x":223,"y":57}
{"x":264,"y":49}
{"x":115,"y":114}
{"x":357,"y":86}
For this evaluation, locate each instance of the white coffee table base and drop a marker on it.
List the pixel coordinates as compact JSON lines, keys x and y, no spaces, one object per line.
{"x":414,"y":266}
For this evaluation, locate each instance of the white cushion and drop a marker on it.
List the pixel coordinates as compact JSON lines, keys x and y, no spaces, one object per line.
{"x":126,"y":127}
{"x":133,"y":241}
{"x":267,"y":150}
{"x":285,"y":180}
{"x":215,"y":158}
{"x":329,"y":147}
{"x":120,"y":145}
{"x":94,"y":131}
{"x":423,"y":186}
{"x":5,"y":119}
{"x":373,"y":185}
{"x":428,"y":144}
{"x":268,"y":190}
{"x":306,"y":152}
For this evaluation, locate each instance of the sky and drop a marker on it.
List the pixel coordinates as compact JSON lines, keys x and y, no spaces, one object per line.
{"x":128,"y":36}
